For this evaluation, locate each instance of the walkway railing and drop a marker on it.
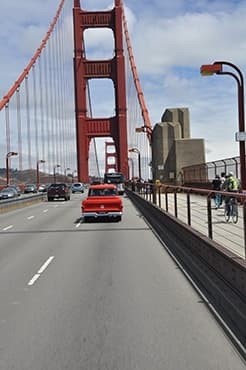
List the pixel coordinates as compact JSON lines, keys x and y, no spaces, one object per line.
{"x":195,"y":208}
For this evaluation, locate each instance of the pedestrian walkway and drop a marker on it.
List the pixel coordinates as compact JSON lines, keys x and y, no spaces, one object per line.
{"x":225,"y":233}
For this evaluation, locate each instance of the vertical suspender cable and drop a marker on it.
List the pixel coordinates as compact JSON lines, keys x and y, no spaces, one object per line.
{"x":55,"y":119}
{"x":35,"y":112}
{"x":4,"y":103}
{"x":145,"y":113}
{"x":94,"y":141}
{"x":28,"y":122}
{"x":67,"y":159}
{"x":53,"y":158}
{"x":47,"y":120}
{"x":62,"y":148}
{"x":58,"y":93}
{"x":7,"y":127}
{"x":19,"y":128}
{"x":41,"y":91}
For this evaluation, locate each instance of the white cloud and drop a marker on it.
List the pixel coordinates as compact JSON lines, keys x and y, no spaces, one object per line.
{"x":170,"y":42}
{"x":188,"y":40}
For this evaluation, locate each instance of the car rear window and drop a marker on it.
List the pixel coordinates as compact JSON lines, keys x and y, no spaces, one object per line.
{"x":57,"y":186}
{"x":102,"y":192}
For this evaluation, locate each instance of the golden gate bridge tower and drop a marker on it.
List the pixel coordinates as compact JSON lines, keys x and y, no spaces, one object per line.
{"x":114,"y":69}
{"x":110,"y":166}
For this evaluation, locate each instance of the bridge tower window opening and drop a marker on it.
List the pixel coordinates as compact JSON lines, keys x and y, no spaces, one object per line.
{"x":101,"y":98}
{"x":99,"y":43}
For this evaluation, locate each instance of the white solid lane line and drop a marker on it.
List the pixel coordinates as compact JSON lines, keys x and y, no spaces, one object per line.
{"x":30,"y":217}
{"x":8,"y":227}
{"x":41,"y":270}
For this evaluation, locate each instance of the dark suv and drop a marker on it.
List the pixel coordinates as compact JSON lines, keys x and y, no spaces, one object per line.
{"x":57,"y":191}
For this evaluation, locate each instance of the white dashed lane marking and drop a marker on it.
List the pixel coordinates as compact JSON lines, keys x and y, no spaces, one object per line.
{"x":8,"y":227}
{"x":41,"y":270}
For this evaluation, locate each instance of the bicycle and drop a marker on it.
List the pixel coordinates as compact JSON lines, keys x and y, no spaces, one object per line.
{"x":231,"y":210}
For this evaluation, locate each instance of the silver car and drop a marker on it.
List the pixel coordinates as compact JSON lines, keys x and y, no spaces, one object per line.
{"x":30,"y":188}
{"x":8,"y":193}
{"x":16,"y":187}
{"x":78,"y":187}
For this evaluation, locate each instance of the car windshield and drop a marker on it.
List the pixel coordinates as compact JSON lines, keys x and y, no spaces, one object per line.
{"x":101,"y":192}
{"x":7,"y":191}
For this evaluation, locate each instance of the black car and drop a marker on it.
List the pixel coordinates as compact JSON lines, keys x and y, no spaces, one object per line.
{"x":58,"y":190}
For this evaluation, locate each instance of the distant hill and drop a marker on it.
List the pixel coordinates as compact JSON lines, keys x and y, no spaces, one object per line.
{"x":30,"y":176}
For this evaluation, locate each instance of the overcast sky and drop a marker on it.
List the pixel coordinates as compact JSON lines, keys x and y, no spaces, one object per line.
{"x":171,"y":40}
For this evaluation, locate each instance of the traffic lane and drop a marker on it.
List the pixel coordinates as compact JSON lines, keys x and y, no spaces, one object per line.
{"x":17,"y":227}
{"x":113,"y":298}
{"x":20,"y":217}
{"x":29,"y":243}
{"x":30,"y":233}
{"x":36,"y":234}
{"x":32,"y":249}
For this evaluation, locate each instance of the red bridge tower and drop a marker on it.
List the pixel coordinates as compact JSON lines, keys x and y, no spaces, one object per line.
{"x":110,"y":155}
{"x":87,"y":127}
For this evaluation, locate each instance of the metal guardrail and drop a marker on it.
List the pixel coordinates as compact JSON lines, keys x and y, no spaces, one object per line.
{"x":20,"y":202}
{"x":152,"y":201}
{"x":161,"y":195}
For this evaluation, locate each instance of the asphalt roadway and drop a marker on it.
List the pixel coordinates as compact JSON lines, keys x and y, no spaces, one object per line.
{"x":102,"y":296}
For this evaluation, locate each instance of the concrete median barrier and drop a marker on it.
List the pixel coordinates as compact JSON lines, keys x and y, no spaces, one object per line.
{"x":25,"y":201}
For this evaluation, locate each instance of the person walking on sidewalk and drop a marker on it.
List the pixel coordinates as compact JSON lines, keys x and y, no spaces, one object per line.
{"x":216,"y":185}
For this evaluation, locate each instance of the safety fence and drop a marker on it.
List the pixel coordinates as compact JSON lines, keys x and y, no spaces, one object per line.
{"x":204,"y":173}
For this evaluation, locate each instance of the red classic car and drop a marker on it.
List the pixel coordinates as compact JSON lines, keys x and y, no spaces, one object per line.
{"x":102,"y":202}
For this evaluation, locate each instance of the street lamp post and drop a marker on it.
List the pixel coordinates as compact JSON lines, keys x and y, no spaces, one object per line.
{"x":132,"y":167}
{"x":56,"y":166}
{"x":136,"y":150}
{"x":37,"y":176}
{"x":8,"y":155}
{"x":73,"y":173}
{"x":65,"y":171}
{"x":217,"y":68}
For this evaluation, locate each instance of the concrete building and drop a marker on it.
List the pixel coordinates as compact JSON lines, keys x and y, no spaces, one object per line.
{"x":173,"y":148}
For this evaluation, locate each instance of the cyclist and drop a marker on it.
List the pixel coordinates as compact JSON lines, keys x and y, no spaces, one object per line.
{"x":231,"y":185}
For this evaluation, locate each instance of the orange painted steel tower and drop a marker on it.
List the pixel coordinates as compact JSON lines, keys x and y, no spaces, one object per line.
{"x":87,"y":127}
{"x":110,"y":155}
